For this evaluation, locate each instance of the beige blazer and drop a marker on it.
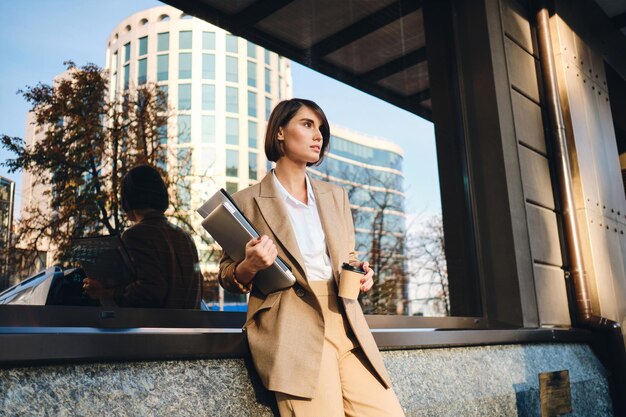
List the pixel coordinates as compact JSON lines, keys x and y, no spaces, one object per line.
{"x":286,"y":329}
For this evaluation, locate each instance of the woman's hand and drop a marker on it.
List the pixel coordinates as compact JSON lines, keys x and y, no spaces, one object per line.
{"x":367,"y":280}
{"x":261,"y":253}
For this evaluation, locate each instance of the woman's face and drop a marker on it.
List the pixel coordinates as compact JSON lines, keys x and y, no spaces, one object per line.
{"x":301,"y":137}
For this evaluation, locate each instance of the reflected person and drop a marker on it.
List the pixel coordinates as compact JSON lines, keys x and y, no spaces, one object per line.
{"x":311,"y":347}
{"x":164,"y":257}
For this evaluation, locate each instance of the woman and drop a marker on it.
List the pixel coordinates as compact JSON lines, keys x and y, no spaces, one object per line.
{"x":311,"y":347}
{"x":164,"y":256}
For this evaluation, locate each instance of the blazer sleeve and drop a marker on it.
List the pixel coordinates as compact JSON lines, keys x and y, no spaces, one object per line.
{"x":347,"y":215}
{"x":226,"y":276}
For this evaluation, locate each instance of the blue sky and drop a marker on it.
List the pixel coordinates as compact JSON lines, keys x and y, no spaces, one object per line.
{"x":36,"y":36}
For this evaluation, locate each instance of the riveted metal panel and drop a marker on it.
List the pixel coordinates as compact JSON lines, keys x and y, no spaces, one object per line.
{"x":545,"y":245}
{"x":516,"y":24}
{"x":551,"y":295}
{"x":522,"y":70}
{"x":528,"y":122}
{"x":536,"y":178}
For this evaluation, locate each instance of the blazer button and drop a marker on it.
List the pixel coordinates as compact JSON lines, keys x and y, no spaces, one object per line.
{"x":300,"y":292}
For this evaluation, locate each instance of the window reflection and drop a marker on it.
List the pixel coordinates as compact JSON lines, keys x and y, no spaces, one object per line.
{"x":202,"y":149}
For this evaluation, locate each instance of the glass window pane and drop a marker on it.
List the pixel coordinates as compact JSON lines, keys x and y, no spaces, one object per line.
{"x":252,"y":134}
{"x":231,"y":188}
{"x":184,"y":128}
{"x":267,"y":57}
{"x":208,"y":129}
{"x":206,"y":162}
{"x":252,"y":165}
{"x":143,"y":46}
{"x":208,"y":97}
{"x":163,"y":63}
{"x":231,"y":43}
{"x":232,"y":163}
{"x":165,"y":90}
{"x":208,"y":40}
{"x":184,"y":161}
{"x":184,"y":65}
{"x":232,"y":100}
{"x":184,"y":97}
{"x":184,"y":39}
{"x":208,"y":66}
{"x":126,"y":76}
{"x":142,"y":69}
{"x":251,"y":74}
{"x":231,"y":69}
{"x":251,"y":104}
{"x":251,"y":50}
{"x":268,"y":107}
{"x":162,"y":134}
{"x":268,"y":80}
{"x":163,"y":41}
{"x":127,"y":52}
{"x":232,"y":131}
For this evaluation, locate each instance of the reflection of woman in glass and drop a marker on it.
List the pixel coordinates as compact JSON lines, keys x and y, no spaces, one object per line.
{"x":311,"y":347}
{"x":164,"y":257}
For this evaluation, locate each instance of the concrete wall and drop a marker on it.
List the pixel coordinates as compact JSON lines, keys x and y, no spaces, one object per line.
{"x":474,"y":381}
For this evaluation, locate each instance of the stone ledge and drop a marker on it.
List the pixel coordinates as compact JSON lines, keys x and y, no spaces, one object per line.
{"x":474,"y":381}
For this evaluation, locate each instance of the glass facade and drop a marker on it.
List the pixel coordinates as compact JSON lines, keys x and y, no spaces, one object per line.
{"x":185,"y":39}
{"x":142,"y":71}
{"x":252,"y":165}
{"x":143,"y":46}
{"x":231,"y":43}
{"x":184,"y":97}
{"x":232,"y":131}
{"x":208,"y":97}
{"x":268,"y":80}
{"x":251,"y":74}
{"x":163,"y":41}
{"x":208,"y":40}
{"x":251,"y":50}
{"x":127,"y":52}
{"x":184,"y":65}
{"x":208,"y":129}
{"x":252,"y":134}
{"x":232,"y":99}
{"x":163,"y":63}
{"x":252,"y":104}
{"x":184,"y":128}
{"x":231,"y":69}
{"x":126,"y":76}
{"x":232,"y":163}
{"x":268,"y":107}
{"x":208,"y":66}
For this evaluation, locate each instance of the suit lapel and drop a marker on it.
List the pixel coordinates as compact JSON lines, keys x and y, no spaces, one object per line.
{"x":275,"y":215}
{"x":328,"y":210}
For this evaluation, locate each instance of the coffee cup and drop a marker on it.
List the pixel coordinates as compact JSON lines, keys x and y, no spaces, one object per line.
{"x":350,"y":281}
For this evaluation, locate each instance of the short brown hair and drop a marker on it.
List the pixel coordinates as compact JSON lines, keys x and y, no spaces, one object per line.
{"x":281,"y":115}
{"x":143,"y":188}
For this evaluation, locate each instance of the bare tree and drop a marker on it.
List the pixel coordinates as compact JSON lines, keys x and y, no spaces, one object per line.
{"x":89,"y":143}
{"x":428,"y":268}
{"x":378,"y":212}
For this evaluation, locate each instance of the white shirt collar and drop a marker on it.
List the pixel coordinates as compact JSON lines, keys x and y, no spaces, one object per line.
{"x":292,"y":199}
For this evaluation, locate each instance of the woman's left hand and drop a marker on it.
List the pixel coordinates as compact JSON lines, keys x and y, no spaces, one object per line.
{"x":367,"y":281}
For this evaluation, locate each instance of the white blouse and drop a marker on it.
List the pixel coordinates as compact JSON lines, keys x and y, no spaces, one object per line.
{"x":306,"y":224}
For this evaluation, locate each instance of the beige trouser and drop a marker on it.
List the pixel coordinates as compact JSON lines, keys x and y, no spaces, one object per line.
{"x":347,"y":385}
